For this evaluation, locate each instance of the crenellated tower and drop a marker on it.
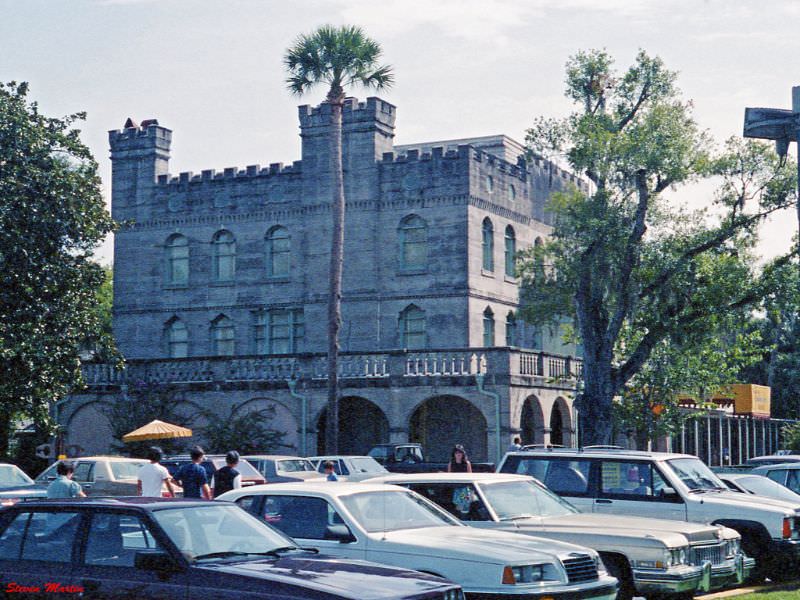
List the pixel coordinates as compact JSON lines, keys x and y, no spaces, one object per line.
{"x":139,"y":154}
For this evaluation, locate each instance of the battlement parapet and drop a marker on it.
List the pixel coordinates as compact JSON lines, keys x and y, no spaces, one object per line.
{"x":149,"y":135}
{"x":461,"y":152}
{"x":232,"y":173}
{"x":353,"y":112}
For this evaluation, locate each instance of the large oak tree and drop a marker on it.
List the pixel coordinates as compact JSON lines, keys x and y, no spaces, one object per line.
{"x":625,"y":261}
{"x":52,"y":217}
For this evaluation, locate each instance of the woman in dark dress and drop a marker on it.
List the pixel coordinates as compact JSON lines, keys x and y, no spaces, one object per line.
{"x":459,"y":463}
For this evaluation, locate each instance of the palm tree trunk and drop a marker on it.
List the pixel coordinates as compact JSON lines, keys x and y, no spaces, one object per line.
{"x":337,"y":260}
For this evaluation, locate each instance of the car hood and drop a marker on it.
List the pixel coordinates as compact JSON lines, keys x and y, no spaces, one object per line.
{"x":695,"y":533}
{"x":468,"y":543}
{"x":23,"y":491}
{"x":301,"y":475}
{"x":736,"y":499}
{"x":349,"y":578}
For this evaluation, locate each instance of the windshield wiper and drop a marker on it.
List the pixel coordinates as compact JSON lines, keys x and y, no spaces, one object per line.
{"x":277,"y":552}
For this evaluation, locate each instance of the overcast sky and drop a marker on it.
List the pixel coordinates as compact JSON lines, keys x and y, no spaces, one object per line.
{"x":212,"y":71}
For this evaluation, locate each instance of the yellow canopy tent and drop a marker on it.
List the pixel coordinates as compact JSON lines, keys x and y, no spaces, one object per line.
{"x":156,"y":430}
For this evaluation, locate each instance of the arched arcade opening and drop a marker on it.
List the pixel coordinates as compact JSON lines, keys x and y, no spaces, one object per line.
{"x":362,"y":424}
{"x":442,"y":421}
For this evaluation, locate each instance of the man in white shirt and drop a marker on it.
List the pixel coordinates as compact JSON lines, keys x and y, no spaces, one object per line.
{"x":152,"y":476}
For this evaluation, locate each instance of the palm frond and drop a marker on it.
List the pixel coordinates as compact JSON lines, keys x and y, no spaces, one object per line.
{"x":337,"y":56}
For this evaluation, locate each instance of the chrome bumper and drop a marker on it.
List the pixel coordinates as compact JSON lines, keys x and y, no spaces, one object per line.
{"x":732,"y":572}
{"x":675,"y":580}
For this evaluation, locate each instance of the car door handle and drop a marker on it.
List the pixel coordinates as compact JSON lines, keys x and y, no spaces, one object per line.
{"x":90,"y":585}
{"x":602,"y":501}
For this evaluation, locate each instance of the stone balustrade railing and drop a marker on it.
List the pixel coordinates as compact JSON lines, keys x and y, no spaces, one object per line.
{"x":544,"y":367}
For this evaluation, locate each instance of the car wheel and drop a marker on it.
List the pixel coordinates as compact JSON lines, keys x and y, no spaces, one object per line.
{"x":618,"y":567}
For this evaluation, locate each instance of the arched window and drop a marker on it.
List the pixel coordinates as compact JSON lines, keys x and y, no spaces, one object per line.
{"x":177,"y":258}
{"x":511,"y":252}
{"x":413,"y":234}
{"x":488,"y":328}
{"x":488,"y":245}
{"x":412,"y":328}
{"x":278,"y":252}
{"x":177,"y":338}
{"x":511,"y":329}
{"x":224,"y":256}
{"x":222,"y":336}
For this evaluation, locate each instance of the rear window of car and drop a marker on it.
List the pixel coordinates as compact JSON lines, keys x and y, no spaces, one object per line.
{"x":294,"y":465}
{"x":126,"y":469}
{"x":563,"y":475}
{"x":366,"y":465}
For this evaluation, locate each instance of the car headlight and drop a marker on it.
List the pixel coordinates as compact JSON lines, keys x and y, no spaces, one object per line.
{"x":524,"y":574}
{"x":601,"y":567}
{"x":678,"y":556}
{"x":732,"y":547}
{"x":453,"y":595}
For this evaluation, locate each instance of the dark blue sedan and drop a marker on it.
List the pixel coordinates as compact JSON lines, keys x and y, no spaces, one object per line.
{"x":180,"y":549}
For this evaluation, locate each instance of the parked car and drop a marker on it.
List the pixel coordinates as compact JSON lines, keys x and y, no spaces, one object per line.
{"x":395,"y":526}
{"x":350,"y":468}
{"x":786,"y":474}
{"x":172,"y":548}
{"x":410,"y":458}
{"x":212,"y":462}
{"x":648,"y":556}
{"x":759,"y":485}
{"x":15,"y":485}
{"x":281,"y":469}
{"x":772,"y":459}
{"x":668,"y":486}
{"x":101,"y":475}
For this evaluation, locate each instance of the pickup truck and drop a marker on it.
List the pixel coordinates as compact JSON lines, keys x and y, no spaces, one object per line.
{"x":409,"y":458}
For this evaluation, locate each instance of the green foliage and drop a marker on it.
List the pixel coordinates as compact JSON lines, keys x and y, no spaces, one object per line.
{"x":100,"y":344}
{"x":145,"y":402}
{"x":336,"y":56}
{"x":632,"y":268}
{"x":791,"y":437}
{"x":247,"y":432}
{"x":52,"y":217}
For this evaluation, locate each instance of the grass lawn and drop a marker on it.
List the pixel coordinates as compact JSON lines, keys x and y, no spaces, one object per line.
{"x":781,"y":595}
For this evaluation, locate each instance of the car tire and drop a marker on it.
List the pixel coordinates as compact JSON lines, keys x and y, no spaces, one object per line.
{"x":619,"y":567}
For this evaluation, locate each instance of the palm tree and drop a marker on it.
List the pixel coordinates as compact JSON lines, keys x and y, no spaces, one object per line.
{"x":338,"y":57}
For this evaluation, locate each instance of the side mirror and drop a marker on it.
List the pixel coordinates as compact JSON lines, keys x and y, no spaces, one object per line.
{"x":155,"y":560}
{"x":340,"y":533}
{"x":669,"y":493}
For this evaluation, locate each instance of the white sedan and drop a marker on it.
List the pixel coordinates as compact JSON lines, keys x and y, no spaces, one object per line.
{"x":395,"y":526}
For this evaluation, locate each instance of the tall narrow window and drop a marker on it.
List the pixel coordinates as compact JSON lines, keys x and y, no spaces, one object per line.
{"x":286,"y":331}
{"x":412,"y":328}
{"x":222,"y":336}
{"x":224,"y":256}
{"x":177,"y":339}
{"x":488,"y":245}
{"x":488,"y":328}
{"x":260,"y":333}
{"x":511,"y":252}
{"x":177,"y":267}
{"x":511,"y":329}
{"x":278,"y":252}
{"x":413,"y":243}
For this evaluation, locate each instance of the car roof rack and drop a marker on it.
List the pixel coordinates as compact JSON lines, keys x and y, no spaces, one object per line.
{"x":604,"y":447}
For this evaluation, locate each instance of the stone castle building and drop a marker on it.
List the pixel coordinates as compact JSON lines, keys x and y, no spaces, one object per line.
{"x":221,"y":282}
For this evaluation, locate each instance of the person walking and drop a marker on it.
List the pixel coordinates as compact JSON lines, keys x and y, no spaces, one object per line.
{"x":227,"y":478}
{"x":515,"y":445}
{"x":459,"y":462}
{"x":330,"y":473}
{"x":152,"y":477}
{"x":193,"y":478}
{"x":63,"y":486}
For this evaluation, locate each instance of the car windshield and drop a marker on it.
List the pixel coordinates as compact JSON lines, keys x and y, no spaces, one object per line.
{"x":295,"y":465}
{"x":13,"y":475}
{"x":216,"y":531}
{"x":246,"y":469}
{"x":395,"y":510}
{"x":695,"y":474}
{"x":126,"y":469}
{"x":519,"y":499}
{"x":763,"y":486}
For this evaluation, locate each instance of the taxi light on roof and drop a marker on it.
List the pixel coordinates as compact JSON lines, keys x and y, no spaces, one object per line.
{"x":508,"y":576}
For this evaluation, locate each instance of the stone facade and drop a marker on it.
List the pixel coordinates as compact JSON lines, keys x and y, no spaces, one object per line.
{"x":233,"y":264}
